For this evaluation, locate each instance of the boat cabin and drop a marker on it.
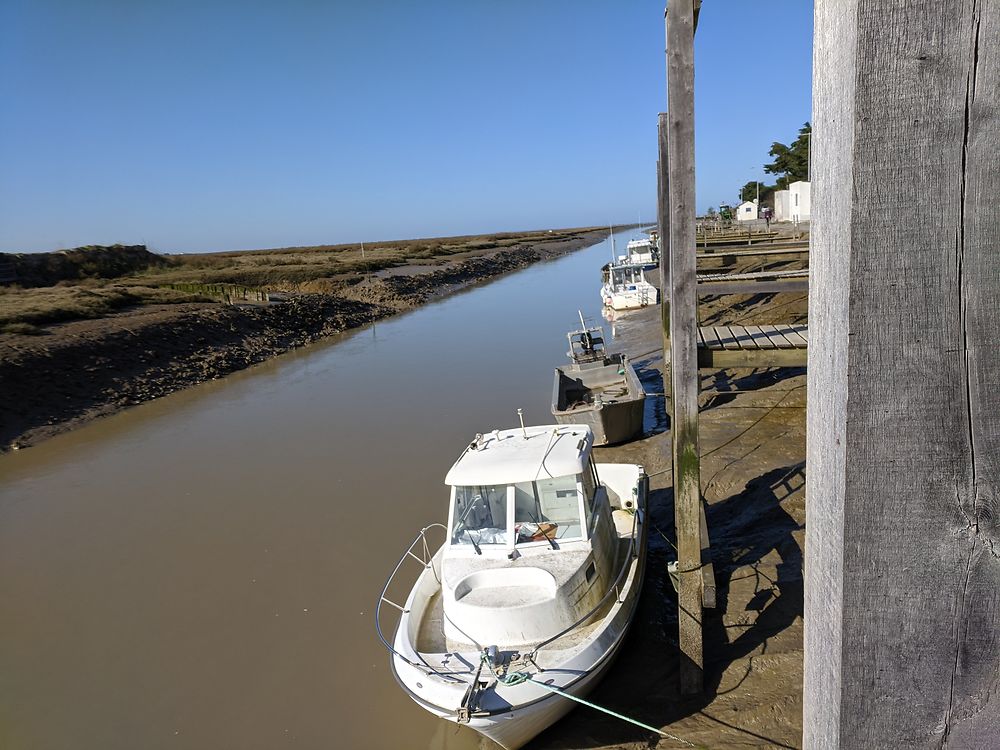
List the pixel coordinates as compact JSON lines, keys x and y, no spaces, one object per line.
{"x":586,"y":345}
{"x":624,"y":275}
{"x":531,"y":540}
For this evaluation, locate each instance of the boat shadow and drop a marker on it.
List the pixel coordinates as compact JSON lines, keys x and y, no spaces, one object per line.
{"x":745,"y":528}
{"x":656,"y":415}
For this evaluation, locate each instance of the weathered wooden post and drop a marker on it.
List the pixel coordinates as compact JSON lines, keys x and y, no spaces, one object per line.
{"x":663,"y":229}
{"x":902,"y":601}
{"x":684,"y":335}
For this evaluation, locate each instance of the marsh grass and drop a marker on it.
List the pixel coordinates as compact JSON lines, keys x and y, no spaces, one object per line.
{"x":67,"y":285}
{"x":58,"y":303}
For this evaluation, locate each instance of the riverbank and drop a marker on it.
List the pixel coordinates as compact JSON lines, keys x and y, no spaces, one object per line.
{"x":60,"y":375}
{"x":752,"y":447}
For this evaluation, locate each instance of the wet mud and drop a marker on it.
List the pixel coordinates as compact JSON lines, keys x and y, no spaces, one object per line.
{"x":752,"y":447}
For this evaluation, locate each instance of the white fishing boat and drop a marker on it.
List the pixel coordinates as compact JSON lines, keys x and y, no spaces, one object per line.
{"x":525,"y":605}
{"x":641,"y":252}
{"x":625,"y":287}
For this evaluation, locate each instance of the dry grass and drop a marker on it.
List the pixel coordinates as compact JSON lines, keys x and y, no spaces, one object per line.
{"x":323,"y":269}
{"x":30,"y":307}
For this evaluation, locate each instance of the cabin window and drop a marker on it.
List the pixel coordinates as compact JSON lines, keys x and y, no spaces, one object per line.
{"x":479,"y":515}
{"x":547,"y":509}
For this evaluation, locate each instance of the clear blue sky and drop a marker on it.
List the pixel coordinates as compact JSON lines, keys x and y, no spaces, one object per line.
{"x":197,"y":125}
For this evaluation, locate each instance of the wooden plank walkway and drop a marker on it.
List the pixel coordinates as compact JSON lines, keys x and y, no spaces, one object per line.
{"x":752,"y":275}
{"x":753,"y":346}
{"x":796,"y":250}
{"x":758,"y":282}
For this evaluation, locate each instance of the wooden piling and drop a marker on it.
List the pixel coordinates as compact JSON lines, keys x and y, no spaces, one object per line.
{"x":683,"y":336}
{"x":663,"y":227}
{"x":902,"y":588}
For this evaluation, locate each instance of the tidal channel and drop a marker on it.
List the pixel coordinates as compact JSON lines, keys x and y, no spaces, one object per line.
{"x":201,"y":571}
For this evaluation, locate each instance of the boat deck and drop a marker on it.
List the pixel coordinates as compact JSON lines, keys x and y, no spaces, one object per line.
{"x":440,"y":652}
{"x":610,"y":394}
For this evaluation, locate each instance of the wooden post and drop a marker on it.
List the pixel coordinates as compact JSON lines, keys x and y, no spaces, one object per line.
{"x":902,"y":598}
{"x":663,"y":227}
{"x":684,"y":336}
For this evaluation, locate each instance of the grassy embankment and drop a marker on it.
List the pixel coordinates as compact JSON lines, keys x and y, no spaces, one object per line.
{"x":96,"y":281}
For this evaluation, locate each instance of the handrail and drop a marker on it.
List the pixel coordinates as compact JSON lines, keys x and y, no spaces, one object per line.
{"x":426,"y":559}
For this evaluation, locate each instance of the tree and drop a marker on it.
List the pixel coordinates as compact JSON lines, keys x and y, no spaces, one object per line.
{"x":711,"y":212}
{"x":751,"y":190}
{"x":791,"y":162}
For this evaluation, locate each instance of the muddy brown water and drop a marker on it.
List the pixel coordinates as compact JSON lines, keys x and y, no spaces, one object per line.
{"x":201,"y":571}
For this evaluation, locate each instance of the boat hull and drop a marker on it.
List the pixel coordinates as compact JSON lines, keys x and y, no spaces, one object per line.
{"x":511,"y":715}
{"x":515,"y":728}
{"x":612,"y":421}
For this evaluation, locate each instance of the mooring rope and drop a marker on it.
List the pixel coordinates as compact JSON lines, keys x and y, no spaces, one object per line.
{"x":518,"y":678}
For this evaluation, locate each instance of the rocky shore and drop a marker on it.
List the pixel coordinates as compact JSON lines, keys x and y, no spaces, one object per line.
{"x":84,"y":369}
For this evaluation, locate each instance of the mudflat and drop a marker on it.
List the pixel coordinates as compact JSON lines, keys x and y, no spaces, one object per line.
{"x":752,"y":447}
{"x":88,"y":332}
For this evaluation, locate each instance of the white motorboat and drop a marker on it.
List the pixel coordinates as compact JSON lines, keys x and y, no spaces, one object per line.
{"x":530,"y":596}
{"x":625,"y":287}
{"x":641,"y":252}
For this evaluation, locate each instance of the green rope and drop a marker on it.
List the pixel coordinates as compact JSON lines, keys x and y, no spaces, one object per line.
{"x":608,"y":711}
{"x":517,"y":678}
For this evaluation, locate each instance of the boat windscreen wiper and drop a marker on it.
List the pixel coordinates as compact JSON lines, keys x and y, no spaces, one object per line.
{"x":475,"y":544}
{"x":549,"y":539}
{"x":460,"y":524}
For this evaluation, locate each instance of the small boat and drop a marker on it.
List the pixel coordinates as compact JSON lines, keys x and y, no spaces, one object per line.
{"x":625,"y":287}
{"x":598,"y":389}
{"x":641,"y":252}
{"x":526,"y":603}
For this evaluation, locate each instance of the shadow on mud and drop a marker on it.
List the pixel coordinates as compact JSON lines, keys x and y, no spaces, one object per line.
{"x":721,"y":387}
{"x":643,"y":684}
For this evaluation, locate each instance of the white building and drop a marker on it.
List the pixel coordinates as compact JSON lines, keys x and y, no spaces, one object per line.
{"x":781,"y":206}
{"x":798,"y":201}
{"x":746,"y":211}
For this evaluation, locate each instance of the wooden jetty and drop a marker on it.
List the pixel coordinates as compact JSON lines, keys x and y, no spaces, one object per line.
{"x":691,"y":346}
{"x":752,"y":346}
{"x":753,"y":283}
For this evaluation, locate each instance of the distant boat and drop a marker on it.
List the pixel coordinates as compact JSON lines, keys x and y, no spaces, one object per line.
{"x":598,"y":389}
{"x":625,"y":287}
{"x":530,"y":596}
{"x":641,"y":252}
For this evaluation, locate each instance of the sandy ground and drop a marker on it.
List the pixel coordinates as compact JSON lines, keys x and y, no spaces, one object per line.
{"x":752,"y":444}
{"x":82,"y":370}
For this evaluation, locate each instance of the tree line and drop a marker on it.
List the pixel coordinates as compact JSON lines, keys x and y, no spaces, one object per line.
{"x":790,"y":162}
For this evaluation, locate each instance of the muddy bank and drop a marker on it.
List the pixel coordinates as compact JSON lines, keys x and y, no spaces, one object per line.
{"x":752,"y":447}
{"x":81,"y":370}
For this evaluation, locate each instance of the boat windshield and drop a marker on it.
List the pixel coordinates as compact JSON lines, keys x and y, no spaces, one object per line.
{"x":479,"y":515}
{"x":627,"y":275}
{"x":547,"y":509}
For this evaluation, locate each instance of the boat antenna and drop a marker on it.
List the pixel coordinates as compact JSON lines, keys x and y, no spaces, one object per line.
{"x":614,"y":256}
{"x":520,"y":415}
{"x":583,"y":325}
